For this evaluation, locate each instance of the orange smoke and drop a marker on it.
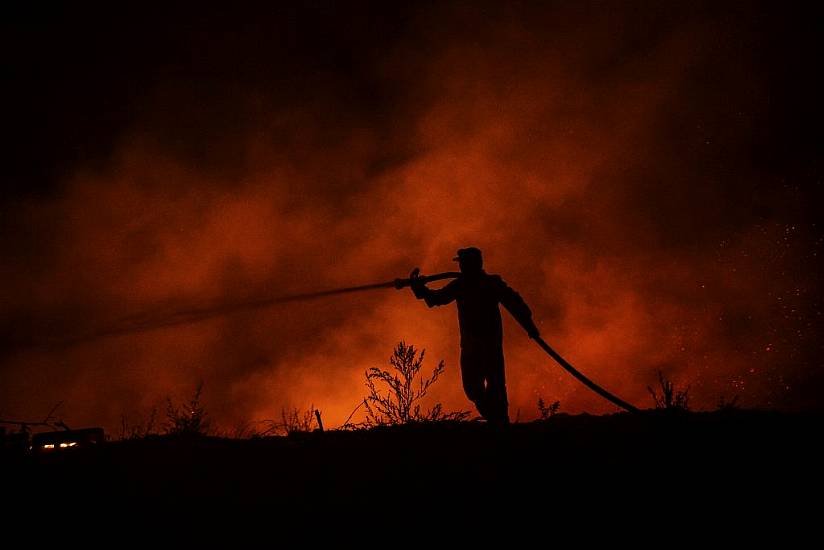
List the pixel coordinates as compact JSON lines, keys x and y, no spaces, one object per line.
{"x":563,"y":156}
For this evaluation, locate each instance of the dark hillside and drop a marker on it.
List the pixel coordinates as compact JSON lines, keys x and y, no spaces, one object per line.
{"x":657,"y":459}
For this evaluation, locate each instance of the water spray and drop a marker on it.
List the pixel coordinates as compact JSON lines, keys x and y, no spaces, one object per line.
{"x":163,"y":318}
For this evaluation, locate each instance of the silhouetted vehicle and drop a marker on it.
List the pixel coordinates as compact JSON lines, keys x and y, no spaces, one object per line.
{"x":48,"y":442}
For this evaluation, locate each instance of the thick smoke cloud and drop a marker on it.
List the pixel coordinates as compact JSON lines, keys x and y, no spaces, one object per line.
{"x":609,"y":160}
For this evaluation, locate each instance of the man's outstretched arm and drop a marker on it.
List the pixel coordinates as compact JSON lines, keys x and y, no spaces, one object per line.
{"x":433,"y":298}
{"x":516,"y":306}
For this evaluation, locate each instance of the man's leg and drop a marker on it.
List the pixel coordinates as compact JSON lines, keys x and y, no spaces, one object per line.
{"x":496,"y":400}
{"x":472,"y":376}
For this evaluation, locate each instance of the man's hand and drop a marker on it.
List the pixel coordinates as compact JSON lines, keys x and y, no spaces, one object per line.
{"x":415,"y":278}
{"x":416,"y":283}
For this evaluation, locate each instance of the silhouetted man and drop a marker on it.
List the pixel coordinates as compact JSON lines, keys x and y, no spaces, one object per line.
{"x":482,"y":356}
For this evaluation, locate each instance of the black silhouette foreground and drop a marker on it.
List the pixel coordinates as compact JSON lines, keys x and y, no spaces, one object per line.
{"x":706,"y":466}
{"x":477,"y":295}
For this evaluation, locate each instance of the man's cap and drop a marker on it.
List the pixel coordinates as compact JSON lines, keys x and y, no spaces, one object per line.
{"x":468,"y":254}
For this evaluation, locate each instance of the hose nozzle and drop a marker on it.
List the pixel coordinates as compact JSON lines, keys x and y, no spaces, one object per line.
{"x":403,"y":283}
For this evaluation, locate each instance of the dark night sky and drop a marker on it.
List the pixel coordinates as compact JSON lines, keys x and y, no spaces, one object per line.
{"x":648,"y":175}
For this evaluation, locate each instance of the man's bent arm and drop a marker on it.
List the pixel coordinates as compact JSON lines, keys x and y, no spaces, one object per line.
{"x":439,"y":297}
{"x":516,"y":306}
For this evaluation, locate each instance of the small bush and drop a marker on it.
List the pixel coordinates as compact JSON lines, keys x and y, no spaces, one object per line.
{"x":188,"y":418}
{"x":400,"y":402}
{"x":292,"y":421}
{"x":297,"y":421}
{"x":670,"y":398}
{"x":548,"y":411}
{"x":141,"y":429}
